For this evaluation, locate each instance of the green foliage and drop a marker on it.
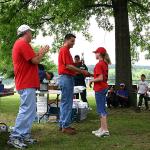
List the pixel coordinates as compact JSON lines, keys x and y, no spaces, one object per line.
{"x":140,"y":20}
{"x":58,"y":17}
{"x":49,"y":64}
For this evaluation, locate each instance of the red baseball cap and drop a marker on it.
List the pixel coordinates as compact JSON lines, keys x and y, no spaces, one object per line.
{"x":100,"y":50}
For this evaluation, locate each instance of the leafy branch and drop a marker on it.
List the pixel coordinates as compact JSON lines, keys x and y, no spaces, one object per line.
{"x":5,"y":1}
{"x":99,"y":5}
{"x":140,"y":5}
{"x":13,"y":14}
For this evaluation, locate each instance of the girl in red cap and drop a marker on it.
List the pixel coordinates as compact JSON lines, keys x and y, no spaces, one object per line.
{"x":100,"y":88}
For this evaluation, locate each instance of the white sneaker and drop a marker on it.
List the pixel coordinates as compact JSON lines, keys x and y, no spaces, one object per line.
{"x":97,"y":131}
{"x":102,"y":134}
{"x":17,"y":143}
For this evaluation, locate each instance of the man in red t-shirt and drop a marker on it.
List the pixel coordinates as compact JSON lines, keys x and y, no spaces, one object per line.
{"x":67,"y":70}
{"x":25,"y":62}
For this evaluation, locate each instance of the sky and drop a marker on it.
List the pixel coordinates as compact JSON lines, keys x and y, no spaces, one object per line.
{"x":100,"y":38}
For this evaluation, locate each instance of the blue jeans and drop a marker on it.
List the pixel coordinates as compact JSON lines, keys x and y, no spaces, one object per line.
{"x":26,"y":115}
{"x":66,"y":84}
{"x":101,"y":102}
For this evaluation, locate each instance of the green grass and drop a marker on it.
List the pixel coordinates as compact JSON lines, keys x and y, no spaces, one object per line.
{"x":129,"y":130}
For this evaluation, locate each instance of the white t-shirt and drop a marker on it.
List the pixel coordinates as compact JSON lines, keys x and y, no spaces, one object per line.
{"x":143,"y":86}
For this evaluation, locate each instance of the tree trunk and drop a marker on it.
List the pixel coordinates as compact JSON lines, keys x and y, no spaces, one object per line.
{"x":122,"y":49}
{"x":122,"y":39}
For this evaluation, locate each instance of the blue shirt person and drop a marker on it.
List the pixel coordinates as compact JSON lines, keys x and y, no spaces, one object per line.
{"x":122,"y":95}
{"x":1,"y":86}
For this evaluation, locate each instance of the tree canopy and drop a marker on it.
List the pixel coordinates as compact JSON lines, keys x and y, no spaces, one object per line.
{"x":58,"y":17}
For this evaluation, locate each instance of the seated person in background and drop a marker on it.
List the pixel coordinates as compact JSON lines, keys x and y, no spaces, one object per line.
{"x":79,"y":79}
{"x":1,"y":86}
{"x":122,"y":95}
{"x":43,"y":74}
{"x":111,"y":98}
{"x":142,"y":91}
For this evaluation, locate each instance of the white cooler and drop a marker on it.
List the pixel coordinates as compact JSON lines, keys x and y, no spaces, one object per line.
{"x":82,"y":108}
{"x":41,"y":105}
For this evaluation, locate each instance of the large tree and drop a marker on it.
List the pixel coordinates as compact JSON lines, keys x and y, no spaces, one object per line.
{"x":58,"y":17}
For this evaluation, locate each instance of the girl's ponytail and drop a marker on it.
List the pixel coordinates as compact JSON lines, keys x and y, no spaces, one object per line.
{"x":107,"y":59}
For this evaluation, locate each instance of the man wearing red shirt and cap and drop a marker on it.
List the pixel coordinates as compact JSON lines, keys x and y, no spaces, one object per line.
{"x":67,"y":70}
{"x":25,"y":62}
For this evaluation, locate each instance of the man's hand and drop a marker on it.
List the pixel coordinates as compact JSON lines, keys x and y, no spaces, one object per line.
{"x":90,"y":83}
{"x":91,"y":75}
{"x":43,"y":50}
{"x":85,"y":73}
{"x":145,"y":94}
{"x":48,"y":76}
